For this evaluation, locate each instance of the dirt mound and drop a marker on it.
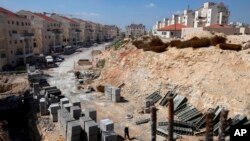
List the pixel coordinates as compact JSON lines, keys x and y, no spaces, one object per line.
{"x":13,"y":84}
{"x":206,"y":76}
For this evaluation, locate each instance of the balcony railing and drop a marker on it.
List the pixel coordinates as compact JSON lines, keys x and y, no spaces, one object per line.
{"x":57,"y":31}
{"x":27,"y":34}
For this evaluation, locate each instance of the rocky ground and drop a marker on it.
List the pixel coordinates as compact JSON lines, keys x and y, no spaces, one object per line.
{"x":207,"y":77}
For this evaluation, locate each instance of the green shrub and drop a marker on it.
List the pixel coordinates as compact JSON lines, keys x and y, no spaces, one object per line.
{"x":217,"y":40}
{"x":230,"y":47}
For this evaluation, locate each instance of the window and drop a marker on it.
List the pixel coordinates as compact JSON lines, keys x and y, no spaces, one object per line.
{"x":49,"y":37}
{"x":34,"y":45}
{"x":29,"y":24}
{"x":15,"y":41}
{"x":8,"y":22}
{"x":21,"y":41}
{"x":3,"y":55}
{"x":13,"y":22}
{"x":22,"y":24}
{"x":10,"y":42}
{"x":11,"y":51}
{"x":164,"y":33}
{"x":45,"y":37}
{"x":17,"y":23}
{"x":26,"y":23}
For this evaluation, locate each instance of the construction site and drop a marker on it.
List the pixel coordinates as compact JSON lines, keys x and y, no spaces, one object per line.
{"x":160,"y":90}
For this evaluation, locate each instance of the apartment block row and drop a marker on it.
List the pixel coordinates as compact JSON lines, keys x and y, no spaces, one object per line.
{"x":135,"y":30}
{"x":25,"y":34}
{"x":209,"y":14}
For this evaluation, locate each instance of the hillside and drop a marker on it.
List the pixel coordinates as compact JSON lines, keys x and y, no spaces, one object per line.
{"x":207,"y":76}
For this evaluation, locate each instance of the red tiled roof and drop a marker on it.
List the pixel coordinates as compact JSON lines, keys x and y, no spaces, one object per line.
{"x":219,"y":26}
{"x":7,"y":12}
{"x":70,"y":20}
{"x":45,"y":17}
{"x":172,"y":27}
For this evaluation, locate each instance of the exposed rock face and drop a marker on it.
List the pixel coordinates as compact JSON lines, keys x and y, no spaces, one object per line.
{"x":207,"y":77}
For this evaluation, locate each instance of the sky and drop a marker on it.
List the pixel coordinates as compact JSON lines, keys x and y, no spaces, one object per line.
{"x":124,"y":12}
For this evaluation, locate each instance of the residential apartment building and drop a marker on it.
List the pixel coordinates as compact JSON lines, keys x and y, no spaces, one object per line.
{"x":135,"y":30}
{"x":16,"y":39}
{"x":211,"y":13}
{"x":71,"y":30}
{"x":111,"y":32}
{"x":48,"y":32}
{"x":86,"y":31}
{"x":188,"y":18}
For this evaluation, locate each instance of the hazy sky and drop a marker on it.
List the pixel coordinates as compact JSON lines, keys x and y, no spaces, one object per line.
{"x":123,"y":12}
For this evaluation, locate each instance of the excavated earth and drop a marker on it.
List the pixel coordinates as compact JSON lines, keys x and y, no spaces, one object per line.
{"x":207,"y":76}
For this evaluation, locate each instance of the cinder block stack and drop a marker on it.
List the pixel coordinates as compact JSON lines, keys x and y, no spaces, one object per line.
{"x":83,"y":121}
{"x":67,"y":106}
{"x":54,"y":111}
{"x":107,"y":125}
{"x":43,"y":106}
{"x":74,"y":131}
{"x":65,"y":118}
{"x":90,"y":112}
{"x":91,"y":129}
{"x":75,"y":112}
{"x":36,"y":88}
{"x":108,"y":92}
{"x":116,"y":94}
{"x":76,"y":103}
{"x":64,"y":101}
{"x":109,"y":136}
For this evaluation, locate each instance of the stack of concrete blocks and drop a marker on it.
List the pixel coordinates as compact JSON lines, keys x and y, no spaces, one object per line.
{"x":109,"y":136}
{"x":77,"y":103}
{"x":90,"y":112}
{"x":65,"y":118}
{"x":63,"y":101}
{"x":148,"y":103}
{"x":74,"y":131}
{"x":43,"y":106}
{"x":36,"y":88}
{"x":116,"y":94}
{"x":54,"y":111}
{"x":108,"y":92}
{"x":67,"y":106}
{"x":75,"y":112}
{"x":107,"y":127}
{"x":91,"y":129}
{"x":112,"y":93}
{"x":83,"y":121}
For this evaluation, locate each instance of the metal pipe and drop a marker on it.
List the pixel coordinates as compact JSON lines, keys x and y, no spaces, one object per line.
{"x":209,"y":125}
{"x":153,"y":123}
{"x":170,"y":118}
{"x":223,"y":124}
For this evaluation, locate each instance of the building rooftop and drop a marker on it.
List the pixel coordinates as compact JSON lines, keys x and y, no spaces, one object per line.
{"x":68,"y":19}
{"x":45,"y":17}
{"x":172,"y":27}
{"x":8,"y":13}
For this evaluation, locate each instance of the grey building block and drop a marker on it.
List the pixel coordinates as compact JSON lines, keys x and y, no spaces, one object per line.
{"x":92,"y":138}
{"x":54,"y":117}
{"x":64,"y":101}
{"x":116,"y":94}
{"x":54,"y":107}
{"x":91,"y":128}
{"x":90,"y":112}
{"x":107,"y":125}
{"x":108,"y":91}
{"x":75,"y":112}
{"x":109,"y":136}
{"x":74,"y":128}
{"x":76,"y":103}
{"x":148,"y":103}
{"x":84,"y":120}
{"x":67,"y":106}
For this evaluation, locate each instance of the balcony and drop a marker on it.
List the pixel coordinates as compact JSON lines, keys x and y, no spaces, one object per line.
{"x":57,"y":31}
{"x":78,"y":30}
{"x":27,"y":34}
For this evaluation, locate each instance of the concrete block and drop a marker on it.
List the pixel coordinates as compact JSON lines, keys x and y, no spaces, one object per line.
{"x":77,"y":103}
{"x":109,"y":136}
{"x":90,"y":112}
{"x":43,"y":106}
{"x":116,"y":94}
{"x":107,"y":125}
{"x":84,"y":120}
{"x":53,"y":108}
{"x":74,"y":128}
{"x":92,"y":138}
{"x":54,"y":117}
{"x":64,"y":101}
{"x":108,"y":92}
{"x":75,"y":112}
{"x":148,"y":103}
{"x":91,"y":128}
{"x":67,"y":106}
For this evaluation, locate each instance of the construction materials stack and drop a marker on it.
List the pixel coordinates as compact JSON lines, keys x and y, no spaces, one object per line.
{"x":112,"y":93}
{"x":91,"y":129}
{"x":54,"y":111}
{"x":74,"y":131}
{"x":75,"y":112}
{"x":43,"y":107}
{"x":90,"y":112}
{"x":107,"y":130}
